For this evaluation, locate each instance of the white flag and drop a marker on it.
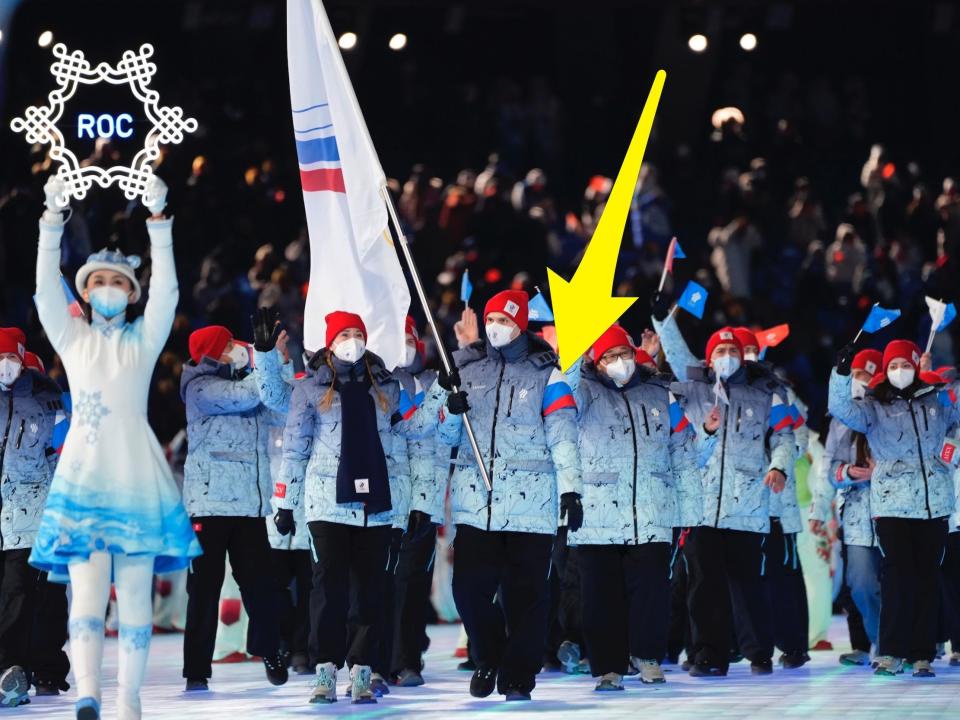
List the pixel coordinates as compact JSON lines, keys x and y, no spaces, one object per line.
{"x":353,"y":264}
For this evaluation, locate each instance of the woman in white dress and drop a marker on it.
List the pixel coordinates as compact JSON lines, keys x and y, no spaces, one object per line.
{"x":114,"y":511}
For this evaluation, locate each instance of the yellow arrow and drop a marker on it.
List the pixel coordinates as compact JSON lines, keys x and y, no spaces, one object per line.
{"x":583,"y":308}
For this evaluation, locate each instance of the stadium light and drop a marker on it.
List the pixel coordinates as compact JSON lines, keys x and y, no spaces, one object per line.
{"x":748,"y":41}
{"x":46,"y":37}
{"x":347,"y":41}
{"x":1,"y":35}
{"x":697,"y":43}
{"x":398,"y":42}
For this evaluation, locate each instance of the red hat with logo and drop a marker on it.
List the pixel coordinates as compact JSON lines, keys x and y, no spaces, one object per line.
{"x":870,"y":361}
{"x":513,"y":303}
{"x":611,"y":338}
{"x":746,"y":336}
{"x":338,"y":321}
{"x":209,"y":342}
{"x":932,"y":378}
{"x":643,"y":358}
{"x":411,"y":329}
{"x":723,"y":336}
{"x":33,"y":361}
{"x":901,"y":350}
{"x":12,"y":340}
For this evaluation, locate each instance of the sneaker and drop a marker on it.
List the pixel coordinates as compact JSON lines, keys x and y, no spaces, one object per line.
{"x":196,"y":685}
{"x":14,"y":687}
{"x":794,"y":660}
{"x":379,"y":685}
{"x":515,"y":693}
{"x":650,"y":671}
{"x":761,"y":667}
{"x":941,"y":651}
{"x":610,"y":682}
{"x":49,"y":688}
{"x":704,"y":669}
{"x":276,"y":668}
{"x":921,"y":668}
{"x":552,"y":665}
{"x":325,"y":686}
{"x":686,"y":665}
{"x":857,"y":657}
{"x":569,"y":656}
{"x":954,"y":659}
{"x":409,"y":678}
{"x":87,"y":709}
{"x":483,"y":682}
{"x":633,"y":667}
{"x":300,"y":664}
{"x":467,"y":665}
{"x":360,"y":685}
{"x":887,"y":665}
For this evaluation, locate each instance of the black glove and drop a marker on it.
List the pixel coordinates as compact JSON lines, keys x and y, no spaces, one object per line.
{"x":457,"y":403}
{"x":845,"y":359}
{"x":660,"y":305}
{"x":448,"y":382}
{"x":266,"y":329}
{"x":418,"y":527}
{"x":572,"y":510}
{"x":284,"y":522}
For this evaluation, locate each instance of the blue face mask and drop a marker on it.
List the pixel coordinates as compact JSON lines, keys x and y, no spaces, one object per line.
{"x":108,"y":301}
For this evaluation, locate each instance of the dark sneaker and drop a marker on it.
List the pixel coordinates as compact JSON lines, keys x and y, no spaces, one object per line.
{"x":276,"y":669}
{"x":515,"y":693}
{"x":794,"y":660}
{"x":483,"y":682}
{"x":467,"y":665}
{"x":196,"y":685}
{"x":761,"y":667}
{"x":409,"y":678}
{"x":378,"y":685}
{"x":702,"y":669}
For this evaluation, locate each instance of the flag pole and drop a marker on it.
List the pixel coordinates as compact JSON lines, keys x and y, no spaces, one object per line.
{"x":441,"y":350}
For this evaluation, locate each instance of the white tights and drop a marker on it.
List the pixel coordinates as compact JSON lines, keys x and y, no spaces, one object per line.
{"x":133,"y":579}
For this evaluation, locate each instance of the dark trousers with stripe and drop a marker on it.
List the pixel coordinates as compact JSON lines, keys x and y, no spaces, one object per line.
{"x":786,"y":591}
{"x":411,"y":586}
{"x":725,"y":570}
{"x":911,"y":551}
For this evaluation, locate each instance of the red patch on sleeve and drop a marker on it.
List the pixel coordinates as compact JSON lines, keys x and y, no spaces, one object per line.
{"x":280,"y":491}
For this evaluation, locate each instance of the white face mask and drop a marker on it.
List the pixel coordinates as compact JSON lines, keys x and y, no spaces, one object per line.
{"x":620,"y":370}
{"x":751,"y":356}
{"x":350,"y":350}
{"x":726,"y":366}
{"x":410,"y":356}
{"x":108,"y":301}
{"x":239,"y":357}
{"x":499,"y":335}
{"x":901,"y":377}
{"x":858,"y":389}
{"x":9,"y":371}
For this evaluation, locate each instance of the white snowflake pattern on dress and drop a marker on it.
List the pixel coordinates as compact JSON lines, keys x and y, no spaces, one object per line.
{"x":89,"y":410}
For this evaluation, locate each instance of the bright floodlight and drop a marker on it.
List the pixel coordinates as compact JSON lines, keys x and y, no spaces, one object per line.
{"x":697,"y":43}
{"x":748,"y":41}
{"x":46,"y":37}
{"x":347,"y":41}
{"x":398,"y":42}
{"x":1,"y":35}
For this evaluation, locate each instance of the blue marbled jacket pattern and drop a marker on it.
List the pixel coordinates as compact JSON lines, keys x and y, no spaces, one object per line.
{"x":853,"y":504}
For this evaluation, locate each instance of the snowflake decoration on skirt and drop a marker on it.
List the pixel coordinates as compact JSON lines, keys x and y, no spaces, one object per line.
{"x":72,"y":69}
{"x":89,"y":410}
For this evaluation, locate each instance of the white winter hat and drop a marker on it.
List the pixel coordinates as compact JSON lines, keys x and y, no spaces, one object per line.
{"x":110,"y":260}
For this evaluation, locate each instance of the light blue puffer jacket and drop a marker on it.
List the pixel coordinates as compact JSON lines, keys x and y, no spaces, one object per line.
{"x":426,"y":490}
{"x":311,"y":449}
{"x":853,"y":505}
{"x":640,"y":474}
{"x":28,"y":413}
{"x":524,"y":417}
{"x":227,"y":471}
{"x":905,"y":437}
{"x":734,"y":495}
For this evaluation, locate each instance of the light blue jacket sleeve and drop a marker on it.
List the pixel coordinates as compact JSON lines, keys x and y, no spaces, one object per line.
{"x":855,"y":414}
{"x":783,"y":449}
{"x":449,"y":426}
{"x":561,"y":431}
{"x":212,"y":395}
{"x":164,"y":292}
{"x":675,"y":348}
{"x":683,"y":458}
{"x":275,"y":390}
{"x":297,"y":447}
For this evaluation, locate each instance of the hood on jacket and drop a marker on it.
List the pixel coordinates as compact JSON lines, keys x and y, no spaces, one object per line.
{"x":206,"y":366}
{"x":536,"y":346}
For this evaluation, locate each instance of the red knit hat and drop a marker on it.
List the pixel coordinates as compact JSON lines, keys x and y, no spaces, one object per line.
{"x":12,"y":340}
{"x":932,"y":378}
{"x":33,"y":361}
{"x":209,"y":342}
{"x":411,"y":329}
{"x":870,"y":361}
{"x":643,"y":358}
{"x":902,"y":350}
{"x":338,"y":321}
{"x":611,"y":338}
{"x":746,"y":336}
{"x":512,"y":303}
{"x":723,"y":336}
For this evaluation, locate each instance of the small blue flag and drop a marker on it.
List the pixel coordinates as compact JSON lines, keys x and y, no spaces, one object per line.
{"x":694,"y":299}
{"x":466,"y":287}
{"x":538,"y":310}
{"x":879,"y":318}
{"x":948,"y":316}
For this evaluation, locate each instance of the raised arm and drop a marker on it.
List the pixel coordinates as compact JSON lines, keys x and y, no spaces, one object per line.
{"x":855,"y":414}
{"x":275,"y":391}
{"x":164,"y":292}
{"x":212,"y":395}
{"x":674,"y":347}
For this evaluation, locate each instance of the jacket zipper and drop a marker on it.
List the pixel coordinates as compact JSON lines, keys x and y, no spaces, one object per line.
{"x":493,"y":444}
{"x":256,"y":422}
{"x":739,"y":410}
{"x":646,"y":425}
{"x":633,"y":433}
{"x":510,"y":404}
{"x":723,"y":458}
{"x":923,"y":467}
{"x":20,"y":435}
{"x":3,"y":452}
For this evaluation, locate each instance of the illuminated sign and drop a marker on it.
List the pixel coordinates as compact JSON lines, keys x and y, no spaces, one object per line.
{"x":104,"y":126}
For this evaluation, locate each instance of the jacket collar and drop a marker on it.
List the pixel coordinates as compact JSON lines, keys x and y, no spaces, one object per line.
{"x":514,"y":351}
{"x":108,"y":327}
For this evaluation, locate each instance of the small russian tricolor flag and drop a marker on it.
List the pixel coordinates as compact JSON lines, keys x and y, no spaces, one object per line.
{"x":678,"y":419}
{"x":557,"y":395}
{"x":674,"y":252}
{"x":408,"y":405}
{"x":781,"y":416}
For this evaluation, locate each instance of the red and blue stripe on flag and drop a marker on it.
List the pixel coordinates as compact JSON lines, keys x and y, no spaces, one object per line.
{"x":678,"y":419}
{"x":317,"y":151}
{"x":781,"y":416}
{"x":409,"y":405}
{"x":557,"y":395}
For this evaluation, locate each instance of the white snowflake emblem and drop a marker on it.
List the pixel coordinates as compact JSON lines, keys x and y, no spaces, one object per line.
{"x":89,"y":410}
{"x":750,"y":412}
{"x":71,"y":69}
{"x":655,"y":412}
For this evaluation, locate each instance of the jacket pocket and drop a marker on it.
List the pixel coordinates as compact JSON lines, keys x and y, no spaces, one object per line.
{"x":600,"y":478}
{"x":747,"y":498}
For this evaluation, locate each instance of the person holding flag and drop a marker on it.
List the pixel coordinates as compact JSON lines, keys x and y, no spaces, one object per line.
{"x":905,"y":421}
{"x":525,"y":417}
{"x":638,"y":486}
{"x":724,"y":549}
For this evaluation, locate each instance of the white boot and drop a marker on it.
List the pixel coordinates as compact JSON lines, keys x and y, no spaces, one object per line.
{"x":360,"y":676}
{"x":325,"y":686}
{"x":650,"y":671}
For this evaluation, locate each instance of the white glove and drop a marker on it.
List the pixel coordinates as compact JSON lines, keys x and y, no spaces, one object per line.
{"x":155,"y":198}
{"x":55,"y":194}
